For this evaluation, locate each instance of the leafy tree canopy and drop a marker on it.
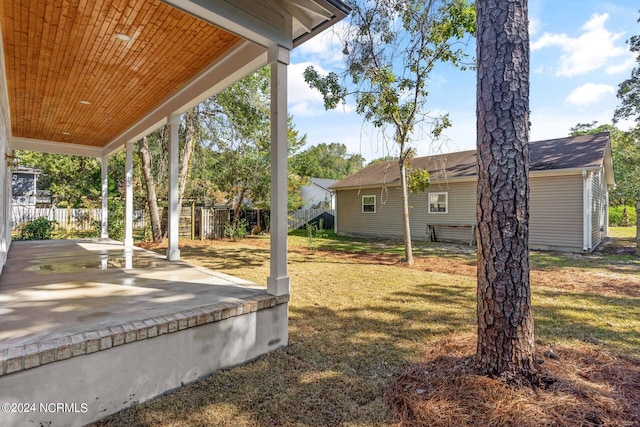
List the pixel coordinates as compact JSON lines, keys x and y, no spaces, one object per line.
{"x":70,"y":179}
{"x":390,"y":49}
{"x":629,"y":90}
{"x":625,"y":147}
{"x":329,"y":161}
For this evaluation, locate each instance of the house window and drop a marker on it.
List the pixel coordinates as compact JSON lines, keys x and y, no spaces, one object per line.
{"x":438,"y":202}
{"x":368,"y":204}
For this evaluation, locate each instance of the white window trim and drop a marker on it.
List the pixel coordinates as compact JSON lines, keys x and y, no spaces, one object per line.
{"x":446,"y":203}
{"x":374,"y":204}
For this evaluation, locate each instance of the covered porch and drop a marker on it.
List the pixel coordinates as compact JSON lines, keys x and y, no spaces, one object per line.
{"x":102,"y":322}
{"x":88,"y":323}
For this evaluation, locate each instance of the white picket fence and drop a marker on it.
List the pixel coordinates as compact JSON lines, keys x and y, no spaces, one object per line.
{"x":67,"y":219}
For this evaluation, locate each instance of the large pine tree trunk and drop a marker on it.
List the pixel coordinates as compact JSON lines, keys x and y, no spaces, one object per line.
{"x":505,"y":322}
{"x":152,"y":199}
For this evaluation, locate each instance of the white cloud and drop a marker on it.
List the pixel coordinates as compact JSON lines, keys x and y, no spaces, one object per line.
{"x":534,"y":26}
{"x":595,"y":48}
{"x":325,"y":48}
{"x":303,"y":100}
{"x":588,"y":94}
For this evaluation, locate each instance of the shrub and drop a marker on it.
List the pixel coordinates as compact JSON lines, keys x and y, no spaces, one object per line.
{"x":236,"y":229}
{"x":38,"y":229}
{"x":315,"y":231}
{"x":617,"y":219}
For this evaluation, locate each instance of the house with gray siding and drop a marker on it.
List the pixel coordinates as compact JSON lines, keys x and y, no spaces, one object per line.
{"x":568,"y":210}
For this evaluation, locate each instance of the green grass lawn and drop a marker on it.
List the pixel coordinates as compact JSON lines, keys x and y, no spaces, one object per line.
{"x":623,"y":232}
{"x":356,"y":321}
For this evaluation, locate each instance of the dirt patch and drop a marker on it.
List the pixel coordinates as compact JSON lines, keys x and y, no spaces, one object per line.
{"x":569,"y":279}
{"x":589,"y":387}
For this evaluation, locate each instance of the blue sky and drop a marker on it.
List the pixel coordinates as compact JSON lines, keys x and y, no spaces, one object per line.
{"x":579,"y":55}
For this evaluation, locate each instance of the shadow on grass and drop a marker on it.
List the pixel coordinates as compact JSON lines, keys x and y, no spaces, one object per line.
{"x":610,"y":321}
{"x":335,"y":369}
{"x":346,"y":346}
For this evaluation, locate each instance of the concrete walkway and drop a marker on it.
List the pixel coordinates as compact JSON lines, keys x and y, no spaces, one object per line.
{"x":55,"y":288}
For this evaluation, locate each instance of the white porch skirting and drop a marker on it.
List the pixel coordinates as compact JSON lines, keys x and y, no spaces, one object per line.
{"x":89,"y":380}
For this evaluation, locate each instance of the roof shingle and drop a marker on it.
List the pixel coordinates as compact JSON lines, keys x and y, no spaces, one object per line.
{"x":573,"y":152}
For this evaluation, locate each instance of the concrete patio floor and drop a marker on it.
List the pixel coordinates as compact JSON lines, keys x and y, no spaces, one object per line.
{"x":101,"y":328}
{"x":50,"y":289}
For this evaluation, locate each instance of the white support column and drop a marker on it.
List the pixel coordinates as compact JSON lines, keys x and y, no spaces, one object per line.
{"x":104,"y":233}
{"x":173,"y":252}
{"x":128,"y":204}
{"x":278,"y":280}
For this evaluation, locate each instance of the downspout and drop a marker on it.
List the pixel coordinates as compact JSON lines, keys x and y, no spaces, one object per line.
{"x":334,"y":201}
{"x":586,"y":211}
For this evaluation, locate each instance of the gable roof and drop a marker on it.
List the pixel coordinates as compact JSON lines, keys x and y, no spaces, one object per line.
{"x":573,"y":153}
{"x":324,"y":183}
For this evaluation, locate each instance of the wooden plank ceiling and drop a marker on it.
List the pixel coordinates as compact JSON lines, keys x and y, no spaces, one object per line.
{"x":72,"y":79}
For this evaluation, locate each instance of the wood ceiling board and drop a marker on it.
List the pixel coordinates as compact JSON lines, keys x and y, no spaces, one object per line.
{"x":238,"y":62}
{"x":60,"y":52}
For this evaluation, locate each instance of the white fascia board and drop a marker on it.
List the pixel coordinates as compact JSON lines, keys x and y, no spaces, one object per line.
{"x":249,"y":19}
{"x":562,"y":172}
{"x":55,"y":147}
{"x":608,"y":165}
{"x":242,"y":60}
{"x":366,"y":187}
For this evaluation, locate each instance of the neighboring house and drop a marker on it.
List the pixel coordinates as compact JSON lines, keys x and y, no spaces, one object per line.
{"x":568,"y":209}
{"x":317,"y":194}
{"x":24,"y":186}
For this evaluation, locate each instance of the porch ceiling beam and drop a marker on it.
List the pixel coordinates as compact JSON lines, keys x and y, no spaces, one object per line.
{"x":244,"y":59}
{"x":55,"y":147}
{"x":261,"y":22}
{"x":304,"y":12}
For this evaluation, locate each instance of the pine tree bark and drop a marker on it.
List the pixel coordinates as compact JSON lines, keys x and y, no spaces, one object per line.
{"x":505,"y":345}
{"x":152,"y":199}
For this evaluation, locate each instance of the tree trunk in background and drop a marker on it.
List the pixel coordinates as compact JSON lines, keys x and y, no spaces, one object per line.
{"x":150,"y":185}
{"x":406,"y":225}
{"x":191,"y":134}
{"x":505,"y":345}
{"x":638,"y":228}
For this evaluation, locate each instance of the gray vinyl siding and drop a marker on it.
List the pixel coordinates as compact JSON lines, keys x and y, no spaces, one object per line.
{"x":461,"y":210}
{"x":555,"y":212}
{"x":555,"y":219}
{"x":385,"y":222}
{"x":598,"y":207}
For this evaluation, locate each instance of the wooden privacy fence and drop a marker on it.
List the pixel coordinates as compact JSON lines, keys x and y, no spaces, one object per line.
{"x":302,"y":217}
{"x":213,"y":222}
{"x":67,"y":218}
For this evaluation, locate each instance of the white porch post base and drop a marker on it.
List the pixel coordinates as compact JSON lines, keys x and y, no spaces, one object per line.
{"x":173,"y":254}
{"x":278,"y":286}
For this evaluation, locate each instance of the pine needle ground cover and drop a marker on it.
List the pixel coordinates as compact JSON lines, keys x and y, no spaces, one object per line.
{"x":373,"y":342}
